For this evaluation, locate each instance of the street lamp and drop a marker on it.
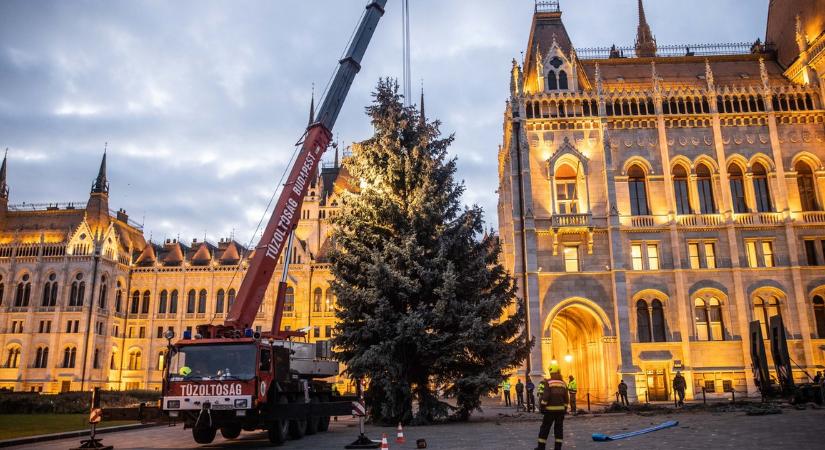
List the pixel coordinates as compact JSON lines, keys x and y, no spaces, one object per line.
{"x":568,"y":358}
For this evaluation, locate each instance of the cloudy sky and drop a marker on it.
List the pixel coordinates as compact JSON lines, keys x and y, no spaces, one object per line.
{"x":201,"y":101}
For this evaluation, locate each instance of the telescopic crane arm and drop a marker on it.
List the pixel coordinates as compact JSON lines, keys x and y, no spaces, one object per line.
{"x":287,"y":211}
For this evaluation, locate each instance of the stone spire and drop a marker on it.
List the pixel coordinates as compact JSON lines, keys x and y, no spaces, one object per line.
{"x":645,"y":42}
{"x":101,"y":184}
{"x":423,"y":116}
{"x":312,"y":107}
{"x":4,"y":186}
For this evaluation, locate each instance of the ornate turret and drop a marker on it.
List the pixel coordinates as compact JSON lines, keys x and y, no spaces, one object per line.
{"x":97,"y":208}
{"x":645,"y":42}
{"x":101,"y":184}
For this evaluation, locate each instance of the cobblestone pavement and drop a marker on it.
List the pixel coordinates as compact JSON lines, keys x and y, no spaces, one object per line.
{"x":791,"y":430}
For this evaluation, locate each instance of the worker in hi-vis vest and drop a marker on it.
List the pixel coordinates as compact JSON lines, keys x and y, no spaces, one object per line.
{"x":553,"y":405}
{"x":572,"y":388}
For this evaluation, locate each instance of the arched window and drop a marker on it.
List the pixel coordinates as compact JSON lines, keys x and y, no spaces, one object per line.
{"x":202,"y":301}
{"x":289,"y":300}
{"x":657,"y":319}
{"x":144,"y":306}
{"x":562,"y":80}
{"x":118,"y":298}
{"x":41,"y":359}
{"x":112,"y":360}
{"x":551,"y":82}
{"x":135,"y":303}
{"x":681,"y":189}
{"x":190,"y":302}
{"x":161,"y":360}
{"x":134,"y":360}
{"x":819,"y":315}
{"x":50,"y":291}
{"x":704,"y":184}
{"x":69,"y":354}
{"x":316,"y":300}
{"x":761,"y":190}
{"x":765,"y":306}
{"x":807,"y":187}
{"x":104,"y":291}
{"x":173,"y":302}
{"x":643,"y":319}
{"x":24,"y":290}
{"x":708,"y":314}
{"x":567,"y":198}
{"x":638,"y":191}
{"x":230,"y":299}
{"x":2,"y":290}
{"x":330,"y":303}
{"x":78,"y":291}
{"x":219,"y":298}
{"x":737,"y":189}
{"x":12,"y":358}
{"x":164,"y":298}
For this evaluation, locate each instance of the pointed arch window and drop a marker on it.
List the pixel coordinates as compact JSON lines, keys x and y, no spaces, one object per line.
{"x":708,"y":315}
{"x":190,"y":302}
{"x":69,"y":356}
{"x":78,"y":291}
{"x":563,"y":80}
{"x":681,"y":190}
{"x":41,"y":358}
{"x":135,"y":307}
{"x":104,"y":291}
{"x":289,"y":300}
{"x":567,"y":196}
{"x":202,"y":301}
{"x":638,"y":191}
{"x":551,"y":81}
{"x":316,"y":300}
{"x":330,"y":303}
{"x":118,"y":298}
{"x":737,"y":189}
{"x":643,"y":321}
{"x":144,"y":306}
{"x":704,"y":184}
{"x":819,"y":315}
{"x":2,"y":290}
{"x":761,"y":189}
{"x":173,"y":302}
{"x":807,"y":187}
{"x":657,"y":320}
{"x":12,"y":358}
{"x":50,"y":291}
{"x":219,"y":300}
{"x":24,"y":290}
{"x":230,"y":300}
{"x":135,"y":360}
{"x":765,"y":306}
{"x":162,"y":301}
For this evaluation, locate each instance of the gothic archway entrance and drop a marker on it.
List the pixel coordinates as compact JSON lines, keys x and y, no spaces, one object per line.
{"x":574,"y":336}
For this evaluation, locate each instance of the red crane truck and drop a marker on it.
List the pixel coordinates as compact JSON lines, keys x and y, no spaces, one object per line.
{"x":228,"y":377}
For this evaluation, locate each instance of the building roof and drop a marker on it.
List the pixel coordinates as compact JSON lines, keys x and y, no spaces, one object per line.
{"x":781,"y":27}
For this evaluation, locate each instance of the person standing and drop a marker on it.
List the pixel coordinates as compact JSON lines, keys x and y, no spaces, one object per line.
{"x":505,"y":387}
{"x":553,"y":406}
{"x":572,"y":388}
{"x":531,"y":401}
{"x":520,"y":394}
{"x":623,"y":393}
{"x":679,"y":386}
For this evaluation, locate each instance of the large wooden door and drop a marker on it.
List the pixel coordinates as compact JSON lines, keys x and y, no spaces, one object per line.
{"x":657,"y":385}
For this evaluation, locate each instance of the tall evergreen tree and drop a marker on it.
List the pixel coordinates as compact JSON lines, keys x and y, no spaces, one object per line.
{"x":422,"y":296}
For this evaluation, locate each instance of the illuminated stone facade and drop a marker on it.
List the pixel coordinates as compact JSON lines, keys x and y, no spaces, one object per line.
{"x":650,"y":207}
{"x":85,"y":298}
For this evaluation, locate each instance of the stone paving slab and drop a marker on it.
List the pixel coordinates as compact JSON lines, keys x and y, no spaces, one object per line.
{"x":792,"y":430}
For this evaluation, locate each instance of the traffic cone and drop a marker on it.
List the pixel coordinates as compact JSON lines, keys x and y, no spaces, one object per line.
{"x":399,"y":435}
{"x":384,"y":444}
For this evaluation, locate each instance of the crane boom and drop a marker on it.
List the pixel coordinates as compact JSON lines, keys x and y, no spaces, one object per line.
{"x":286,"y":213}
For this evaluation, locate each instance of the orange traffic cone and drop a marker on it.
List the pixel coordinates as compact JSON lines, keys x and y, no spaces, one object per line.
{"x":384,"y":444}
{"x":399,"y":435}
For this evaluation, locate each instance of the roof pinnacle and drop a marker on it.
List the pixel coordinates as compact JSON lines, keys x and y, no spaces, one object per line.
{"x":645,"y":42}
{"x":101,"y":184}
{"x":312,"y":107}
{"x":4,"y":187}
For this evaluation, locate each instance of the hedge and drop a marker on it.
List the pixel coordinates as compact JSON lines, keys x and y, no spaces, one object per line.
{"x":70,"y":402}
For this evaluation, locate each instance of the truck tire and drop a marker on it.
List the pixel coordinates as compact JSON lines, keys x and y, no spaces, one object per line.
{"x":231,"y":431}
{"x":313,"y":421}
{"x":323,"y":422}
{"x":204,"y":435}
{"x":297,"y":427}
{"x":279,"y":429}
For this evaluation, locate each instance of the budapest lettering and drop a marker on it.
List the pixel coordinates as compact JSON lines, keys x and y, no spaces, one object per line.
{"x":206,"y":390}
{"x":285,"y":222}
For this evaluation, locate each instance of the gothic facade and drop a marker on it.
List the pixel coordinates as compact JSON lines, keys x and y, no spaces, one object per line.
{"x":654,"y":200}
{"x":85,"y":298}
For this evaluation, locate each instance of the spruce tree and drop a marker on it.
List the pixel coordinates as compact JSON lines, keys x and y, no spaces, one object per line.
{"x":421,"y":294}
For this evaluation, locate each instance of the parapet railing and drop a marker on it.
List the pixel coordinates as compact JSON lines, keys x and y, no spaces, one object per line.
{"x":677,"y":50}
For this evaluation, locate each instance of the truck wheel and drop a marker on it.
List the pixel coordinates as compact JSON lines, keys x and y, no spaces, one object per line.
{"x":231,"y":432}
{"x":204,"y":435}
{"x":278,"y":429}
{"x":297,"y":427}
{"x":312,"y":421}
{"x":323,"y":422}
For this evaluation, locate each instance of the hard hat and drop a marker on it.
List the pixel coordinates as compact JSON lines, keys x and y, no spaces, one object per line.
{"x":185,"y":370}
{"x":553,"y":367}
